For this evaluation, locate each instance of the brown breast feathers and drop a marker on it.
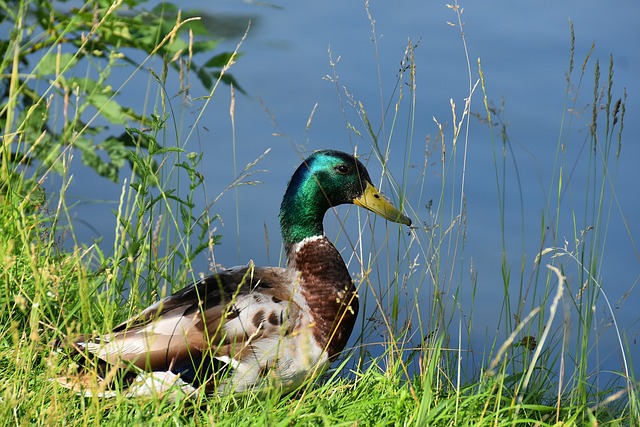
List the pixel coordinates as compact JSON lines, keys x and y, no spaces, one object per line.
{"x":329,"y":291}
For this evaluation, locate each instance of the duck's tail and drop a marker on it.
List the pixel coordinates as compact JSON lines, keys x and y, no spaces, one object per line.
{"x":89,"y":376}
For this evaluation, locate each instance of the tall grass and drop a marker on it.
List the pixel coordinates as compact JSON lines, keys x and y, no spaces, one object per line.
{"x":411,"y":364}
{"x":546,"y":363}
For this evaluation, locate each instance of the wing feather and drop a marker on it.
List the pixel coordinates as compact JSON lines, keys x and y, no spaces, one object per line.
{"x":221,"y":317}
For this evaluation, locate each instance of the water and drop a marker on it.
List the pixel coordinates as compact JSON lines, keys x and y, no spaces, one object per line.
{"x":524,"y":50}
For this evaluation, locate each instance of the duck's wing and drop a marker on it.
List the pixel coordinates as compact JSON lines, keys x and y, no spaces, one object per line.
{"x":214,"y":322}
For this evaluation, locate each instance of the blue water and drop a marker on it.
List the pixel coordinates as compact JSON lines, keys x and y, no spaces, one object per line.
{"x":524,"y":49}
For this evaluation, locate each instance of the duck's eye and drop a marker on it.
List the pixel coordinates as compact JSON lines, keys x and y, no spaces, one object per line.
{"x":343,"y":169}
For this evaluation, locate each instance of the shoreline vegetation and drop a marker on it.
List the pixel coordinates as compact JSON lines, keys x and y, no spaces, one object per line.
{"x":536,"y":371}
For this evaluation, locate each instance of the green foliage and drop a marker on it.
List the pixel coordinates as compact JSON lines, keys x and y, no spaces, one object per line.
{"x":58,"y":70}
{"x":159,"y":232}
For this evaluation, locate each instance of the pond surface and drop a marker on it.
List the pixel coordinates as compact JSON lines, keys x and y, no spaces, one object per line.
{"x":524,"y":48}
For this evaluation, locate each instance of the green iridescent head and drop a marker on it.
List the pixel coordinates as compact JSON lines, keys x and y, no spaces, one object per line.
{"x":328,"y":178}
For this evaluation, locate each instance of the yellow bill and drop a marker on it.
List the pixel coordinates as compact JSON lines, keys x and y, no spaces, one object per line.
{"x":372,"y":200}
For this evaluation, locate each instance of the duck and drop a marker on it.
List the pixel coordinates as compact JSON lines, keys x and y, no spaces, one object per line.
{"x":246,"y":328}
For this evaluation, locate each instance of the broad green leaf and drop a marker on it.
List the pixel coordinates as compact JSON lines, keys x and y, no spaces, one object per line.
{"x":91,"y":158}
{"x":108,"y":108}
{"x":53,"y":63}
{"x":201,"y":46}
{"x":221,"y":60}
{"x":205,"y":78}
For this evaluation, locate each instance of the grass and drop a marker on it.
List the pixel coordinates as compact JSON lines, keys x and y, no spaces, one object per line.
{"x":537,"y":373}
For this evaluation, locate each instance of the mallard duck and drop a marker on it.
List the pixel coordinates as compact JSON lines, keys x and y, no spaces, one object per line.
{"x":248,"y":326}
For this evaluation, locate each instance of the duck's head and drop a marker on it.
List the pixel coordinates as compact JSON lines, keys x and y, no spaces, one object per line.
{"x":325,"y":179}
